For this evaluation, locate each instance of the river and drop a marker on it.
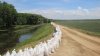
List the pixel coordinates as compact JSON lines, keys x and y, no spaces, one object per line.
{"x":9,"y":39}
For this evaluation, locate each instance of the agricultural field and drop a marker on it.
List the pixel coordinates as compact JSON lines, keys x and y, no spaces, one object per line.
{"x":91,"y":27}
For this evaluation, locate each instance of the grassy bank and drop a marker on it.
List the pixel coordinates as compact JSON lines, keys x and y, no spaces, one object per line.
{"x":10,"y":37}
{"x":91,"y":27}
{"x":41,"y":34}
{"x":22,"y":29}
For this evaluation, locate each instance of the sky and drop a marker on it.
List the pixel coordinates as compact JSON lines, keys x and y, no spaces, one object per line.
{"x":59,"y":9}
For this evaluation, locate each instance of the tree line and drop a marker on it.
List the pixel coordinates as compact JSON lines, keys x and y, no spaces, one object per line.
{"x":10,"y":17}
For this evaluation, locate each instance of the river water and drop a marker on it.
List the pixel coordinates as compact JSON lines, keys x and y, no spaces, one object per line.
{"x":25,"y":37}
{"x":9,"y":39}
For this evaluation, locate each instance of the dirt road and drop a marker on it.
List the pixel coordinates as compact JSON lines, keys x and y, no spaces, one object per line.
{"x":75,"y":43}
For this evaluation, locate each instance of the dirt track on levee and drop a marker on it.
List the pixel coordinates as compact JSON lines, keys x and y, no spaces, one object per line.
{"x":75,"y":43}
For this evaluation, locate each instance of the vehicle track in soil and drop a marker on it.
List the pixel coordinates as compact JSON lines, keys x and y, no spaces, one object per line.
{"x":76,"y":43}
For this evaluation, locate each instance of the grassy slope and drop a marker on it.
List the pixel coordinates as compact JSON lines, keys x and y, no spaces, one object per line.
{"x":21,"y":29}
{"x":40,"y":34}
{"x":88,"y":26}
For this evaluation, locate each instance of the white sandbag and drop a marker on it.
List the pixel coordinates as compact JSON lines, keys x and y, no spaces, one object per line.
{"x":31,"y":51}
{"x":43,"y":48}
{"x":46,"y":49}
{"x":13,"y":53}
{"x":20,"y":53}
{"x":7,"y":54}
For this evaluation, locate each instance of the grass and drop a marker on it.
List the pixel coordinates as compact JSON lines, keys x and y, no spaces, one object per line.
{"x":21,"y":29}
{"x":40,"y":34}
{"x":91,"y":27}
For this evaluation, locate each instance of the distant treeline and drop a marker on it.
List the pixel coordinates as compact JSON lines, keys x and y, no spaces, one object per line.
{"x":10,"y":17}
{"x":30,"y":19}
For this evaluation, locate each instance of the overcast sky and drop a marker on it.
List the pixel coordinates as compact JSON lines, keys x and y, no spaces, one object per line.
{"x":60,"y":9}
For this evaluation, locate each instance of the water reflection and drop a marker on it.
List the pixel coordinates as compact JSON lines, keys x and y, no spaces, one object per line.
{"x":8,"y":39}
{"x":24,"y":37}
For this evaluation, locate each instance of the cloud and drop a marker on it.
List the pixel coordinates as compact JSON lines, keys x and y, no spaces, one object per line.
{"x":95,"y":12}
{"x":79,"y":13}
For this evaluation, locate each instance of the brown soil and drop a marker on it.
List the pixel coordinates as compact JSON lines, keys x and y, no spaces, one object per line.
{"x":75,"y":43}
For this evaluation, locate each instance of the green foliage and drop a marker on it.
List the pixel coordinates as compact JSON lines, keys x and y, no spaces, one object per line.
{"x":30,"y":19}
{"x":8,"y":14}
{"x":10,"y":17}
{"x":12,"y":22}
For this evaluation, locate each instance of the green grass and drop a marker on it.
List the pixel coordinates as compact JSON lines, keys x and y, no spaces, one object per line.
{"x":21,"y":29}
{"x":17,"y":27}
{"x":40,"y":34}
{"x":87,"y":26}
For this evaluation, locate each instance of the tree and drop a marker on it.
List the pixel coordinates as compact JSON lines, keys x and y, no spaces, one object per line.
{"x":10,"y":17}
{"x":8,"y":14}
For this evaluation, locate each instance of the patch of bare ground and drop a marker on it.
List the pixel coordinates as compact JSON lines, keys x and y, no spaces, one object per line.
{"x":75,"y":43}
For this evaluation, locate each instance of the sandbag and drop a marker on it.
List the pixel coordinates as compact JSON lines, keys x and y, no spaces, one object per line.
{"x":43,"y":48}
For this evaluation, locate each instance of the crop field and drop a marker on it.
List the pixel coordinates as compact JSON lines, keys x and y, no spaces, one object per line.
{"x":91,"y":27}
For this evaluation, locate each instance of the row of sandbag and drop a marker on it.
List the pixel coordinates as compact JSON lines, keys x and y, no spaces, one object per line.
{"x":42,"y":49}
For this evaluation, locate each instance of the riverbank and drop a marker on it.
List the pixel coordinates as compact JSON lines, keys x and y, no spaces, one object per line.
{"x":10,"y":37}
{"x":42,"y":33}
{"x":22,"y":29}
{"x":11,"y":40}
